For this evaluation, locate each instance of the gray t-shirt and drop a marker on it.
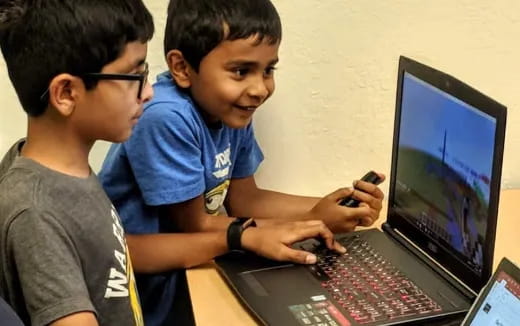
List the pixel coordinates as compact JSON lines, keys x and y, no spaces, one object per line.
{"x":62,"y":247}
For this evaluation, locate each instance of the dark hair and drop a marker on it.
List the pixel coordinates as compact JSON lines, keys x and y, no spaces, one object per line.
{"x":43,"y":38}
{"x":195,"y":27}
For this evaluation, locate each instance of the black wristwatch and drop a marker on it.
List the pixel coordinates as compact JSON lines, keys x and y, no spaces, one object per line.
{"x":234,"y":232}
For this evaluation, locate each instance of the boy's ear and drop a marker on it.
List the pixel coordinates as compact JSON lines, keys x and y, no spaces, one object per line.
{"x":179,"y":68}
{"x":63,"y":91}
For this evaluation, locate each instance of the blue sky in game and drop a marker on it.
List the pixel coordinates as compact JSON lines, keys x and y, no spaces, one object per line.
{"x":428,"y":115}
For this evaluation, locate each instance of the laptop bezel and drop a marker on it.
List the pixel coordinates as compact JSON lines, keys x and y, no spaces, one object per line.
{"x":467,"y":94}
{"x":505,"y":266}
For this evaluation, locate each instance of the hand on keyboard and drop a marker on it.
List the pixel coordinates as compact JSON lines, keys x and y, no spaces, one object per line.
{"x":274,"y":241}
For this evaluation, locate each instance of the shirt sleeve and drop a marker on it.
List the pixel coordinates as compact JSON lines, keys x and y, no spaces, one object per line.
{"x":165,"y":156}
{"x":249,"y":155}
{"x":48,"y":268}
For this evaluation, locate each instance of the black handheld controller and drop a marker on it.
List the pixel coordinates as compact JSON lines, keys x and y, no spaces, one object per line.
{"x":371,"y":177}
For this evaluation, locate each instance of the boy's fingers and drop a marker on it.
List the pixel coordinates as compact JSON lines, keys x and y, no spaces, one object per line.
{"x":340,"y":194}
{"x":368,"y":198}
{"x":366,"y":221}
{"x":314,"y":229}
{"x":369,"y":218}
{"x":369,"y":188}
{"x":297,"y":256}
{"x":328,"y":237}
{"x":362,"y":210}
{"x":319,"y":230}
{"x":336,"y":246}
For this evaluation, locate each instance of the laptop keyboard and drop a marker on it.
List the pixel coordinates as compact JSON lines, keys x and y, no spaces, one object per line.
{"x":368,"y":286}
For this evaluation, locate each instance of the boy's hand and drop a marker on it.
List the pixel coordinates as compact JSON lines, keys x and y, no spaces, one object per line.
{"x":370,"y":196}
{"x":274,"y":241}
{"x":344,"y":219}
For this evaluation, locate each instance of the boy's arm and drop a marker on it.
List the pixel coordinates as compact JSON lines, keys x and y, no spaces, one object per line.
{"x":244,"y":198}
{"x":80,"y":318}
{"x":48,"y":270}
{"x":161,"y":252}
{"x":156,"y":253}
{"x":191,"y":216}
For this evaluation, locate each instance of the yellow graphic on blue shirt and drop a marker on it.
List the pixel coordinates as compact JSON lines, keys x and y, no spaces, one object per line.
{"x":121,"y":280}
{"x":214,"y":199}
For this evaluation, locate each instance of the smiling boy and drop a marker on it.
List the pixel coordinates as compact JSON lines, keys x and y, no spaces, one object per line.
{"x":194,"y":153}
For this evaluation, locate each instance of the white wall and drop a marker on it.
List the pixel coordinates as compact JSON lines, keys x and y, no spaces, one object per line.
{"x":331,"y":117}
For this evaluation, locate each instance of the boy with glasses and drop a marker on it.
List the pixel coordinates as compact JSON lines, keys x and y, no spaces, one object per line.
{"x":78,"y":67}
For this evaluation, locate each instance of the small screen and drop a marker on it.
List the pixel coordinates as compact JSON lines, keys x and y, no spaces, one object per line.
{"x":444,"y":166}
{"x":501,"y":306}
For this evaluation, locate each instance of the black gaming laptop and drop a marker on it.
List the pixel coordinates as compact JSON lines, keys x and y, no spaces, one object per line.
{"x":499,"y":302}
{"x":435,"y":251}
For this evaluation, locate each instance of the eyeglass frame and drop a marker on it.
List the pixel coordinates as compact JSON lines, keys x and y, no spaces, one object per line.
{"x":96,"y":76}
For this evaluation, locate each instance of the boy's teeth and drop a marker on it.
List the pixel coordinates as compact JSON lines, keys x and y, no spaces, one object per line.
{"x":247,"y":108}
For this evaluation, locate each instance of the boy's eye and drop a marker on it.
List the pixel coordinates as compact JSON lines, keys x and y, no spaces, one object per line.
{"x":241,"y":72}
{"x":269,"y":71}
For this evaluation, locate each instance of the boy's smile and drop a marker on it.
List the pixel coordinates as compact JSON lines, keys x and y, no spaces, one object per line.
{"x":234,"y":79}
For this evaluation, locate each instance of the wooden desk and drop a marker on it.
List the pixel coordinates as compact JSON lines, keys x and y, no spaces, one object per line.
{"x":215,"y":304}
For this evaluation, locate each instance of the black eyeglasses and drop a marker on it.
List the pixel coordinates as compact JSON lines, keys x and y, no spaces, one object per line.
{"x":141,"y":77}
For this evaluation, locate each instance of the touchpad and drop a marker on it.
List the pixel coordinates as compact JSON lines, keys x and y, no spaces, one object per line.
{"x":288,"y":280}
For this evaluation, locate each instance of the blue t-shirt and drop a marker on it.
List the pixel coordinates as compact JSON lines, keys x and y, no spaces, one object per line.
{"x":171,"y":157}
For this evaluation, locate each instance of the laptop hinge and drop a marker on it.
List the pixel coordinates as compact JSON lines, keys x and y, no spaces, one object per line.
{"x":427,"y":259}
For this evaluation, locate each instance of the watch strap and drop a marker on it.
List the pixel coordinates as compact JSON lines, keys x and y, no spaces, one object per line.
{"x":234,"y":232}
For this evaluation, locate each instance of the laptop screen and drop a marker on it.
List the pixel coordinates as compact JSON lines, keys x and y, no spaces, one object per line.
{"x":499,"y":302}
{"x":444,"y":169}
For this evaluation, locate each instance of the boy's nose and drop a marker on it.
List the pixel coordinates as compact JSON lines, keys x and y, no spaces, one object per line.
{"x":258,"y":89}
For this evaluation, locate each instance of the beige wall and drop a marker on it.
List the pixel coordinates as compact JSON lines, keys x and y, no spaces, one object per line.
{"x":331,"y":118}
